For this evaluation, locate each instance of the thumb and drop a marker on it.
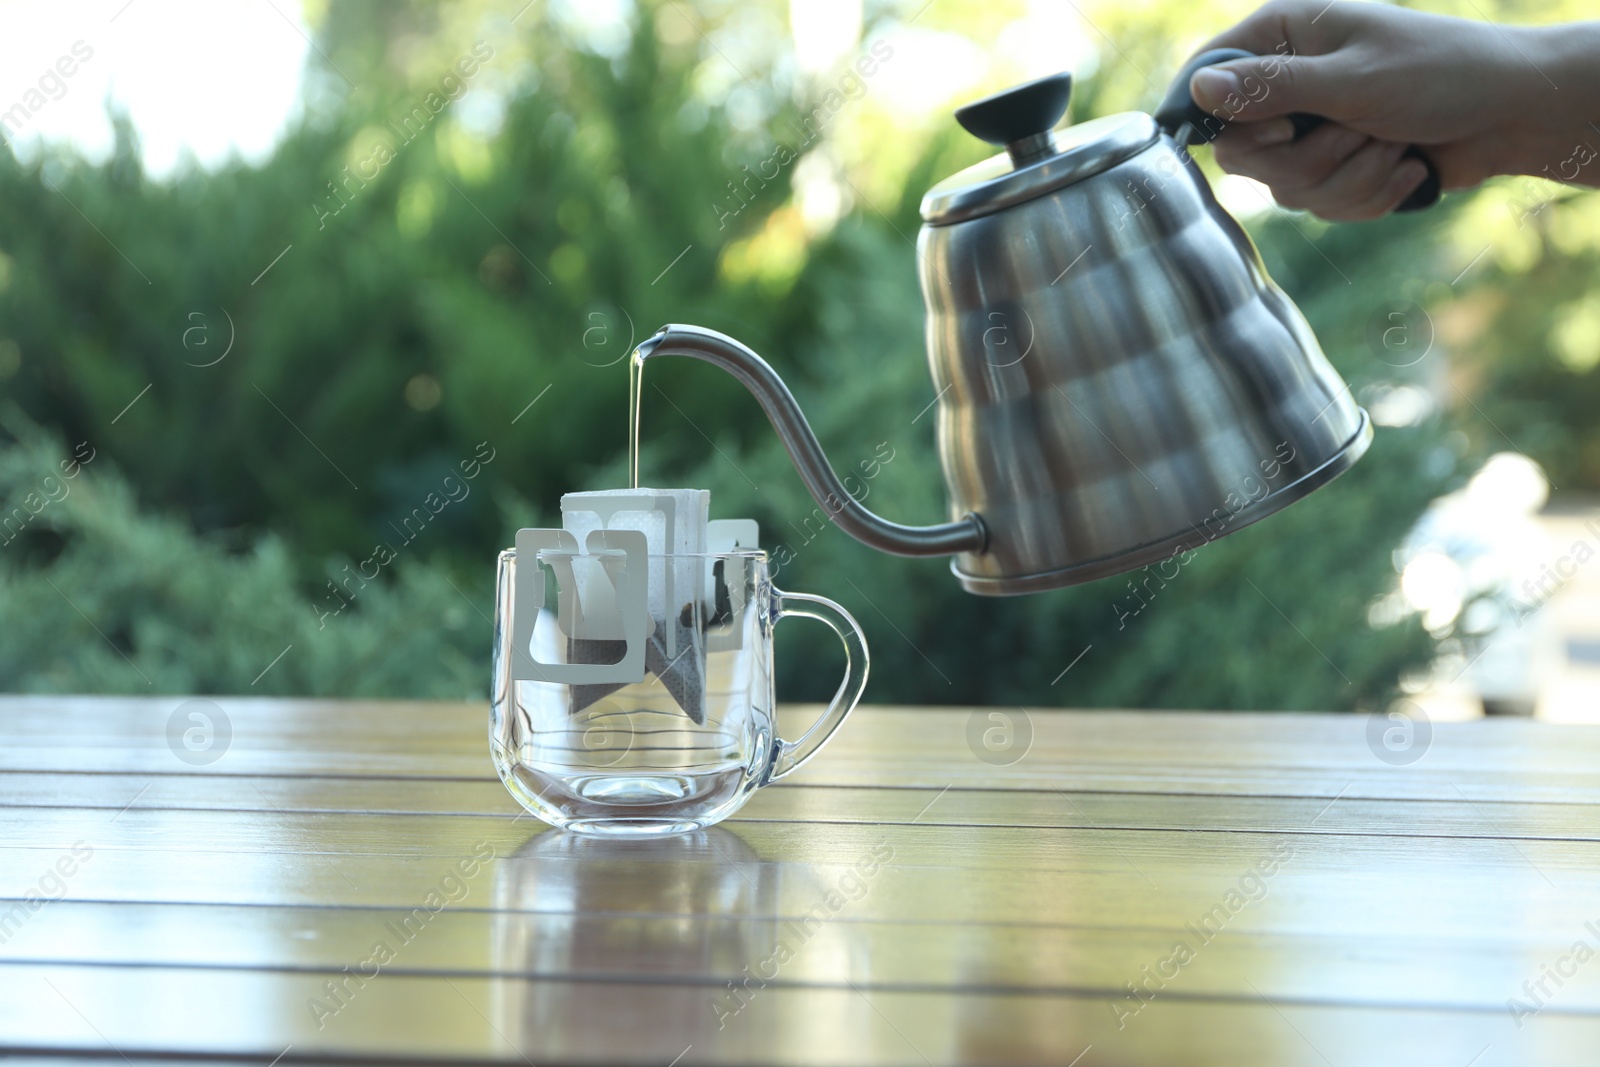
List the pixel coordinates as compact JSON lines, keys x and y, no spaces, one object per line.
{"x":1264,"y":87}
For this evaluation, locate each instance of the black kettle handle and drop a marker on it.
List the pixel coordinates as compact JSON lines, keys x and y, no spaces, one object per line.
{"x":1185,"y":120}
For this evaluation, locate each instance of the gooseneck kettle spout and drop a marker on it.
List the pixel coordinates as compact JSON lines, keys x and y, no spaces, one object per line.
{"x":753,"y":372}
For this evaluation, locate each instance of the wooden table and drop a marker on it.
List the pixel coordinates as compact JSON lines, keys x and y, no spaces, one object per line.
{"x":350,"y":881}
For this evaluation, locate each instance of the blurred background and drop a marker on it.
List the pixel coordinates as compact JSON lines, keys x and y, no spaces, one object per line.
{"x":271,"y":272}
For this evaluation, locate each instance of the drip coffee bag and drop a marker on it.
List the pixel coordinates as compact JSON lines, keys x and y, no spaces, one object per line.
{"x":674,"y":524}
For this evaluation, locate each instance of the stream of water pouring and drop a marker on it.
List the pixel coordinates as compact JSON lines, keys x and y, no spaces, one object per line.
{"x":635,"y":396}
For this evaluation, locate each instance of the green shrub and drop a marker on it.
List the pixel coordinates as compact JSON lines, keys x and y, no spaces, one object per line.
{"x":98,"y":596}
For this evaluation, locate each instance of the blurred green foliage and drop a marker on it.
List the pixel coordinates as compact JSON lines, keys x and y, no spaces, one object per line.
{"x":101,"y":596}
{"x":391,"y":299}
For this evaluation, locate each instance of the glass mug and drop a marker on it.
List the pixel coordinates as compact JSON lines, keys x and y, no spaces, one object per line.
{"x":683,"y":744}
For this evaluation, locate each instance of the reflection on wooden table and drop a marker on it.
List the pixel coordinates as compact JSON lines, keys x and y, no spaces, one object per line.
{"x":349,"y":881}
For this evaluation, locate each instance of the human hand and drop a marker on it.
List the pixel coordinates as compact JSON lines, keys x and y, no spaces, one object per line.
{"x":1478,"y":98}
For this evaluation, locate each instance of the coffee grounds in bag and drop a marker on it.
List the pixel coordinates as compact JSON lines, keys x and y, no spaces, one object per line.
{"x":680,"y":674}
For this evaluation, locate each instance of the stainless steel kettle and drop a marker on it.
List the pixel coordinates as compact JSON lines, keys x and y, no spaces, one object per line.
{"x":1119,"y":381}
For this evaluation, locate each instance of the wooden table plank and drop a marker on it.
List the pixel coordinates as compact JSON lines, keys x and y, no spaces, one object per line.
{"x":1353,"y":968}
{"x":1061,"y":808}
{"x":517,"y":1021}
{"x":1340,"y":886}
{"x":1234,"y":754}
{"x":954,"y":842}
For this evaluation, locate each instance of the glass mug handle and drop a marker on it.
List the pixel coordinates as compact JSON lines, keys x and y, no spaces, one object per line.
{"x":790,"y":755}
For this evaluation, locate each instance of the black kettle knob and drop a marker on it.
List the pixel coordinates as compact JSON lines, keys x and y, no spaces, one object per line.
{"x":1021,"y":117}
{"x":1191,"y":124}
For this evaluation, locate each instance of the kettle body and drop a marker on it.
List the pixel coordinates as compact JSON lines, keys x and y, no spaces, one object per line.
{"x":1119,"y":380}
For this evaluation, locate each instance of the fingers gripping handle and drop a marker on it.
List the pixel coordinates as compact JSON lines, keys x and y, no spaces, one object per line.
{"x":790,"y":755}
{"x":1190,"y":124}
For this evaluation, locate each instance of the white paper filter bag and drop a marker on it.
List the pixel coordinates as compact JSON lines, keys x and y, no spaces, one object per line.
{"x":674,"y":523}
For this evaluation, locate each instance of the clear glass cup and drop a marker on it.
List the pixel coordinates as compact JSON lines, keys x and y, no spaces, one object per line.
{"x":685,"y":746}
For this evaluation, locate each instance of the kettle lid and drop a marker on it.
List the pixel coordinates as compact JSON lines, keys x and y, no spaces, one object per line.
{"x":1036,"y":160}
